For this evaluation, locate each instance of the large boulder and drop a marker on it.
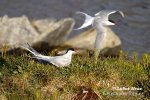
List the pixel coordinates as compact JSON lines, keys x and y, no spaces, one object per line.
{"x":55,"y":34}
{"x":16,"y":31}
{"x":86,"y":40}
{"x":45,"y":25}
{"x":45,"y":34}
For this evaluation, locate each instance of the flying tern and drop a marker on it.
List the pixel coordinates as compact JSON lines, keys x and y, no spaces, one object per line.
{"x":99,"y":22}
{"x":58,"y":61}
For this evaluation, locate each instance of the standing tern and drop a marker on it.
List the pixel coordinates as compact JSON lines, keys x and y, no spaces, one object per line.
{"x":58,"y":61}
{"x":99,"y":22}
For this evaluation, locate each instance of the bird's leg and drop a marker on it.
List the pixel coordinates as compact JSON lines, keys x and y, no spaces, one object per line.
{"x":98,"y":45}
{"x":96,"y":55}
{"x":99,"y":41}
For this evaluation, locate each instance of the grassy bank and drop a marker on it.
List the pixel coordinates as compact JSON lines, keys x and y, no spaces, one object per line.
{"x":21,"y":78}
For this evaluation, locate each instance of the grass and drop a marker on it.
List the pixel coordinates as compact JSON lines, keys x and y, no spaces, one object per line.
{"x":21,"y":78}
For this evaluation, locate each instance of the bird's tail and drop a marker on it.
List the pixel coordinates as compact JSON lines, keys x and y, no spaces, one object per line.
{"x":31,"y":50}
{"x":88,"y":20}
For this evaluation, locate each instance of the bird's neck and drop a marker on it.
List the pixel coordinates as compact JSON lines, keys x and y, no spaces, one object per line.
{"x":69,"y":54}
{"x":100,"y":37}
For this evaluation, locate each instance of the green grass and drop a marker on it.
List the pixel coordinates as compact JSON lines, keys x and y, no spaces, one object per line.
{"x":21,"y":78}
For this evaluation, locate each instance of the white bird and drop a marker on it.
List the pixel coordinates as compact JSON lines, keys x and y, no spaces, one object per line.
{"x":58,"y":61}
{"x":99,"y":23}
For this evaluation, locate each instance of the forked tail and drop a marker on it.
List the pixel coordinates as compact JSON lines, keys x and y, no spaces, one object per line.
{"x":31,"y":50}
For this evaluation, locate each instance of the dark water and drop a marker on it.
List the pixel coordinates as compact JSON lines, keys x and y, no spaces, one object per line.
{"x":134,"y":30}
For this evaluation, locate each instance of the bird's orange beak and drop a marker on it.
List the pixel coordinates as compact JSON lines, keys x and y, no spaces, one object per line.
{"x":75,"y":51}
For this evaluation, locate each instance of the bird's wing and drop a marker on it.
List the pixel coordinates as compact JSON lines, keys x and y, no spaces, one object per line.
{"x":104,"y":13}
{"x":88,"y":20}
{"x":60,"y":61}
{"x":115,"y":12}
{"x":43,"y":58}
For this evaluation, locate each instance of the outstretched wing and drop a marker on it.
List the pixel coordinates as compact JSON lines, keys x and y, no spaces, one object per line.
{"x":88,"y":20}
{"x":106,"y":13}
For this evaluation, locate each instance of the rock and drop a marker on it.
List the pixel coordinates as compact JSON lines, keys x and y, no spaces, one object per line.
{"x":48,"y":33}
{"x":45,"y":25}
{"x":55,"y":36}
{"x":86,"y":40}
{"x":18,"y":31}
{"x":134,"y":29}
{"x":15,"y":31}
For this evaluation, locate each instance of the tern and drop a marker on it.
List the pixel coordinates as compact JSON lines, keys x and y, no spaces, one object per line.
{"x":58,"y":61}
{"x":99,"y":22}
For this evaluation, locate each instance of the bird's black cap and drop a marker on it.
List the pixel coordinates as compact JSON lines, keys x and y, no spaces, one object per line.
{"x":70,"y":49}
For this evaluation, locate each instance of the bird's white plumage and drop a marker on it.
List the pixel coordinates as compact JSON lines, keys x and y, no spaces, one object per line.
{"x":87,"y":22}
{"x":59,"y":61}
{"x":99,"y":22}
{"x":104,"y":14}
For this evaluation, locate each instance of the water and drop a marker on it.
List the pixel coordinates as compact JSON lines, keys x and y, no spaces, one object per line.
{"x":134,"y":30}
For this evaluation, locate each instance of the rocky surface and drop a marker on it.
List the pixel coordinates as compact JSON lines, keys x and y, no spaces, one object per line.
{"x":133,"y":31}
{"x":86,"y":40}
{"x":48,"y":33}
{"x":15,"y":31}
{"x":55,"y":34}
{"x":18,"y":31}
